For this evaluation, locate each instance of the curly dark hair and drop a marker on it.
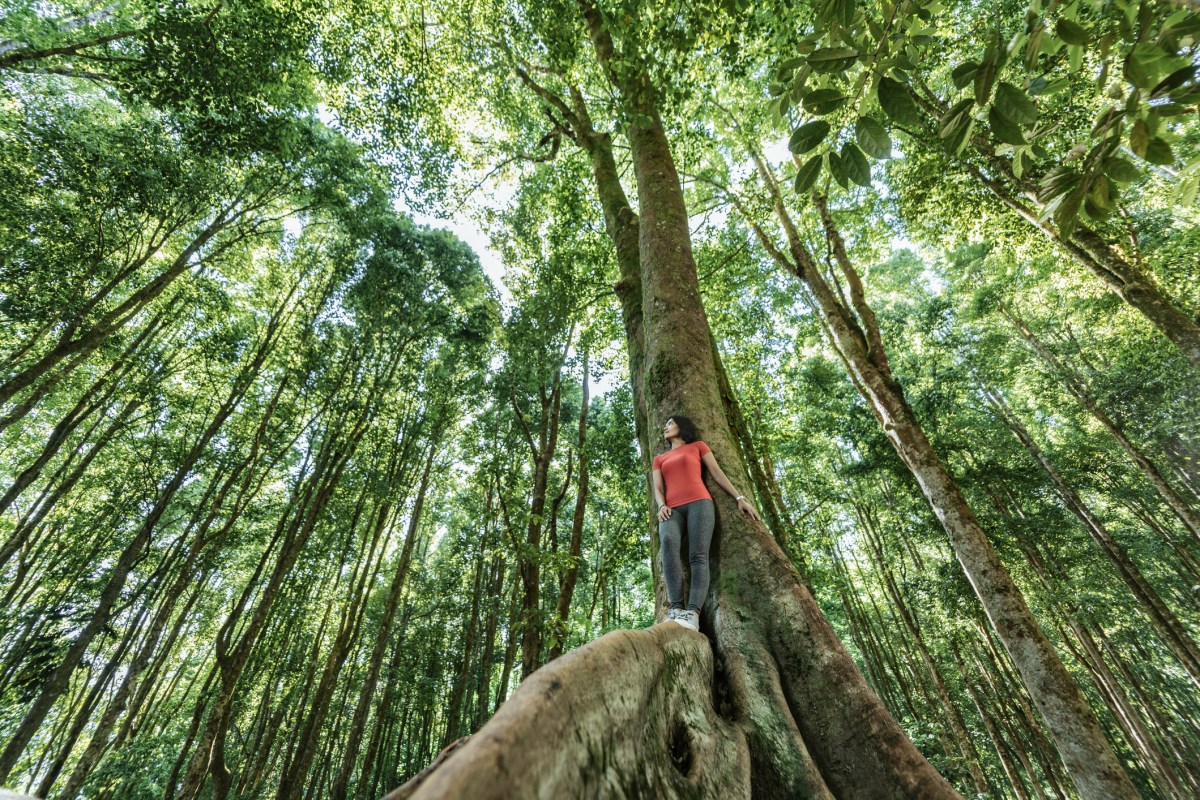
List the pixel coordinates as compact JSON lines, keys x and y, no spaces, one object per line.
{"x":687,"y":428}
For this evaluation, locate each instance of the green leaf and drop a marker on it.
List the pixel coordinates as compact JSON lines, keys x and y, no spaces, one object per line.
{"x":1109,"y":120}
{"x":841,"y":11}
{"x":1066,"y":215}
{"x":985,"y":77}
{"x":1034,"y":48}
{"x":1187,"y":95}
{"x":808,"y":173}
{"x":1099,"y":194}
{"x":1188,"y":25}
{"x":838,"y":170}
{"x":1172,"y":110}
{"x":1075,"y":57}
{"x":1071,"y":32}
{"x":1187,"y":191}
{"x":897,"y":103}
{"x":823,"y":101}
{"x":808,"y":136}
{"x":964,"y":74}
{"x":955,"y":126}
{"x":1040,"y":85}
{"x":1159,"y":152}
{"x":1173,"y":81}
{"x":832,"y":59}
{"x":873,"y":138}
{"x":1146,"y":61}
{"x":1136,"y":71}
{"x":1004,"y":129}
{"x":1056,"y":184}
{"x":1021,"y":163}
{"x":855,"y":164}
{"x":1139,"y":138}
{"x":1015,"y":104}
{"x":1121,"y":170}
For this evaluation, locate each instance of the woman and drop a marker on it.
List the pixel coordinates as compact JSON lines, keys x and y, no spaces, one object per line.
{"x":685,"y":504}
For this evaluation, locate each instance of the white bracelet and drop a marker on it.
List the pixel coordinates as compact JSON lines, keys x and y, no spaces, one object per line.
{"x":739,"y":498}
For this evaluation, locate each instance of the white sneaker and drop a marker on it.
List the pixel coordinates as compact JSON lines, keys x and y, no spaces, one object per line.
{"x":673,"y":614}
{"x":688,"y":619}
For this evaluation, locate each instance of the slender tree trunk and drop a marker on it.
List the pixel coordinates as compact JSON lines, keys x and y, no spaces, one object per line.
{"x":542,"y":450}
{"x":94,"y":336}
{"x":566,"y":588}
{"x":1001,"y":747}
{"x":124,"y":566}
{"x":954,"y":719}
{"x":510,"y":647}
{"x":855,"y":335}
{"x":483,"y":703}
{"x":459,"y":687}
{"x":209,"y":756}
{"x":293,"y":780}
{"x":1168,"y":626}
{"x":337,"y":790}
{"x":1085,"y":398}
{"x":1130,"y":721}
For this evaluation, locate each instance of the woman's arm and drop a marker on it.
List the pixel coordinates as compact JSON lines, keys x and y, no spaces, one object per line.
{"x":714,"y":469}
{"x":664,"y":510}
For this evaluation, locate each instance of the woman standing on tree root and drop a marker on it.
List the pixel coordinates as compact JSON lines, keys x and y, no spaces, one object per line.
{"x":685,"y":504}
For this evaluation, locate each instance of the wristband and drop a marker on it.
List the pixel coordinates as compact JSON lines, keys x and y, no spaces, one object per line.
{"x":739,"y":498}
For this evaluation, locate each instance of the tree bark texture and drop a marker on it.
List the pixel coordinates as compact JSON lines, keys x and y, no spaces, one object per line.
{"x":628,"y":715}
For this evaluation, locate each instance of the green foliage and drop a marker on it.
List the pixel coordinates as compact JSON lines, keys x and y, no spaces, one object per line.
{"x":198,"y":229}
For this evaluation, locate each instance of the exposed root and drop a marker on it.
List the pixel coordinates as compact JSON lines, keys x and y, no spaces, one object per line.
{"x":407,"y":789}
{"x":627,"y":715}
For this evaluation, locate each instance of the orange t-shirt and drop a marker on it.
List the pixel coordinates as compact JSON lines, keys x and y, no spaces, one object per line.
{"x":680,"y":470}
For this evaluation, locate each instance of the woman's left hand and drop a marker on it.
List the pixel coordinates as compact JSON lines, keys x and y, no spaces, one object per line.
{"x":748,"y":510}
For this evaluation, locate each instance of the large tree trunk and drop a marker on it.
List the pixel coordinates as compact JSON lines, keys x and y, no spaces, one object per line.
{"x":631,"y":712}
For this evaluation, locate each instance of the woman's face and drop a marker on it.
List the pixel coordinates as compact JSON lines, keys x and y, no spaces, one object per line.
{"x":670,"y":430}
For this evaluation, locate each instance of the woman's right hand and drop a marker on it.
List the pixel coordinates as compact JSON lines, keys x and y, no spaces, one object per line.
{"x":664,"y":512}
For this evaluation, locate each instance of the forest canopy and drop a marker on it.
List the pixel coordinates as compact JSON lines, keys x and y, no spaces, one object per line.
{"x":299,"y":491}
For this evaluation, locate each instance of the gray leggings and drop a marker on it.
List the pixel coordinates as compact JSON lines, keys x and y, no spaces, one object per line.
{"x":698,"y":518}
